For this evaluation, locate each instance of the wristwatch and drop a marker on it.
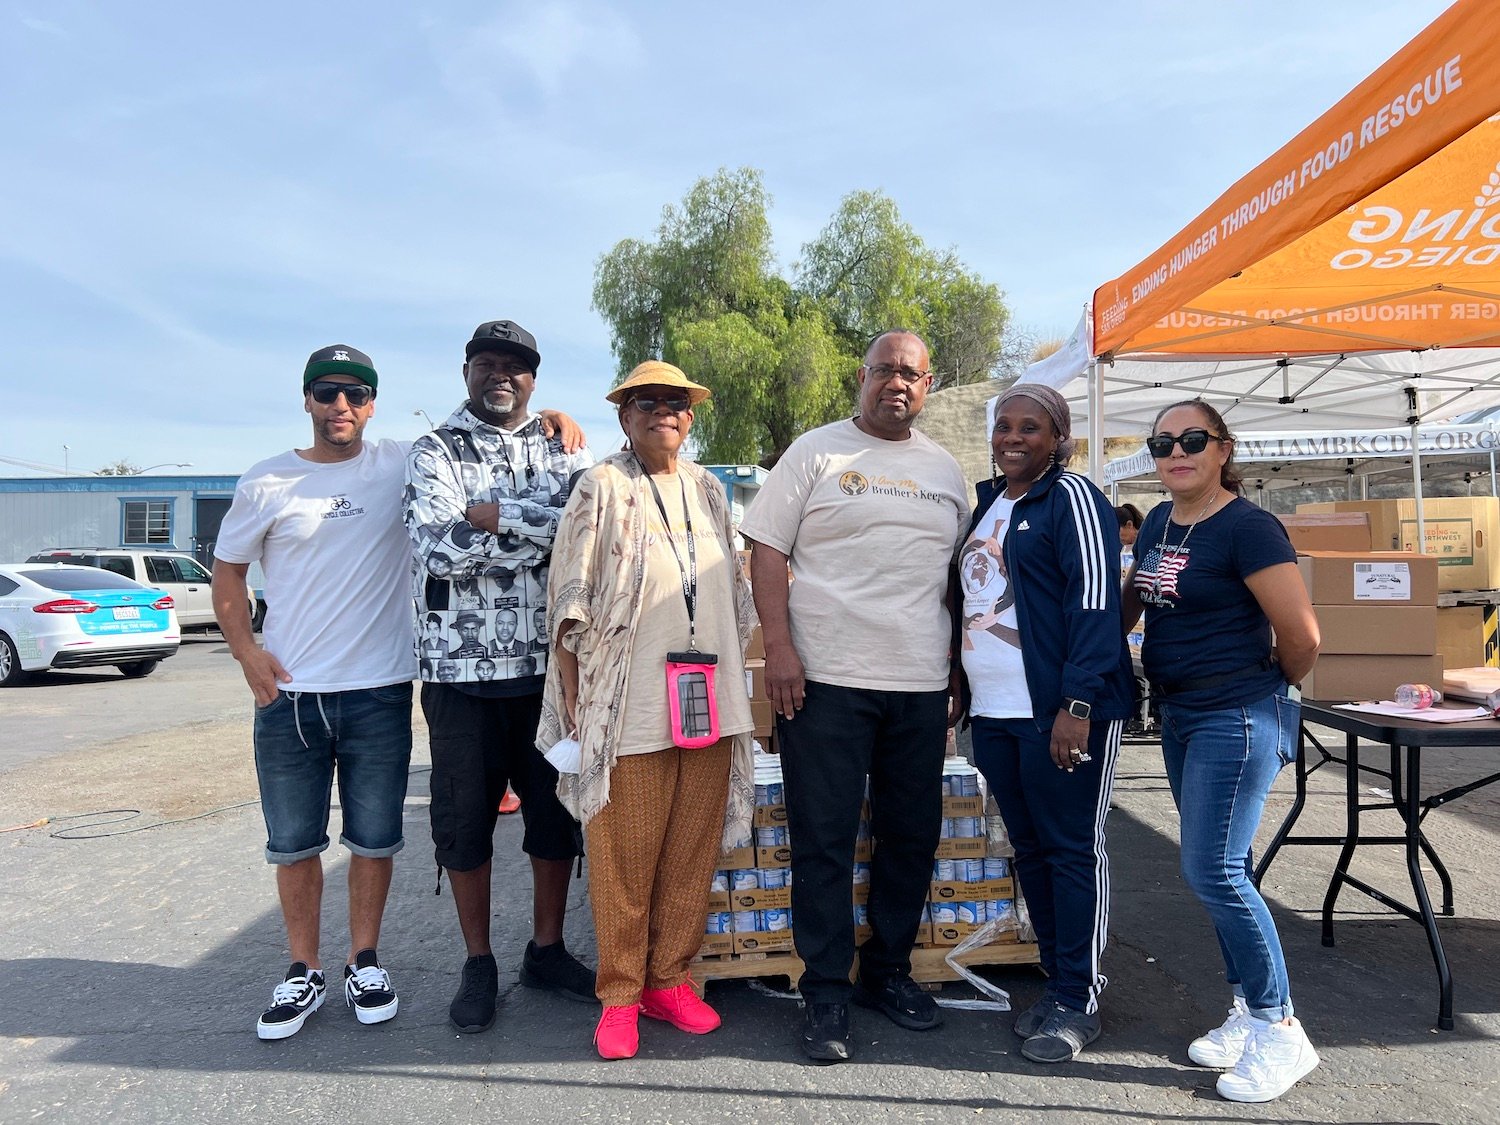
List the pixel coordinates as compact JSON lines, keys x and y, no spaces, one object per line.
{"x":1078,"y":708}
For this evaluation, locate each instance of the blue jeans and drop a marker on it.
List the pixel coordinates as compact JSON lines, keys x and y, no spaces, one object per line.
{"x":301,"y":736}
{"x":1221,"y":765}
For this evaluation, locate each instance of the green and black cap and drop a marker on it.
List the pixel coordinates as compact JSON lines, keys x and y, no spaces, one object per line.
{"x":340,"y":359}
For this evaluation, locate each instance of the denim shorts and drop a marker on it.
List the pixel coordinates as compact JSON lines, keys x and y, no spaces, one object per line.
{"x":303,"y":738}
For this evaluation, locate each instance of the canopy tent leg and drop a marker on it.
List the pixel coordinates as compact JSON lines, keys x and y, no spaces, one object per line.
{"x":1096,"y":423}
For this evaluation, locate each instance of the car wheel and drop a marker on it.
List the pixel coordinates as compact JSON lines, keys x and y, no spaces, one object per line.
{"x":138,"y":668}
{"x":11,"y":672}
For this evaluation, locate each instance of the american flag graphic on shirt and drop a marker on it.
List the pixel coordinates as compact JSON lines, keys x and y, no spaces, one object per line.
{"x":1157,"y":576}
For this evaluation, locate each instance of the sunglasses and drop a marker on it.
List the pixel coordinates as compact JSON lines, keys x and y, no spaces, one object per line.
{"x":676,"y":403}
{"x":1192,"y":441}
{"x":327,"y":393}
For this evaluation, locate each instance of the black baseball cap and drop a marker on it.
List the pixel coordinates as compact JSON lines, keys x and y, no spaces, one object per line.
{"x":504,"y":336}
{"x":340,"y":359}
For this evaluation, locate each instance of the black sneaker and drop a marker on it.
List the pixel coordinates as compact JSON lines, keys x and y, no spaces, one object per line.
{"x":473,"y":1009}
{"x":1063,"y":1035}
{"x":825,"y":1032}
{"x":903,"y":1001}
{"x":553,"y":969}
{"x":298,"y":996}
{"x":368,"y":989}
{"x":1029,"y":1022}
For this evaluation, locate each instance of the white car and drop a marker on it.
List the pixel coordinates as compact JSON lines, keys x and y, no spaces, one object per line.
{"x":179,"y":574}
{"x":54,"y":615}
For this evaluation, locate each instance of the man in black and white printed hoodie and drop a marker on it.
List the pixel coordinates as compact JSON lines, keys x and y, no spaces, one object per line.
{"x":484,"y":494}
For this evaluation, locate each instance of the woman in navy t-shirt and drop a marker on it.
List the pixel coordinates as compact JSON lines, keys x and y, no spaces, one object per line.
{"x":1215,"y":574}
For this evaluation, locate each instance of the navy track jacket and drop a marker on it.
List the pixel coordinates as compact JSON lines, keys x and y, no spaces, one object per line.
{"x":1062,"y":556}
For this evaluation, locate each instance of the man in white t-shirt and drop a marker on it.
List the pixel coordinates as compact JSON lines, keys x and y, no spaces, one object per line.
{"x":868,"y":513}
{"x":332,"y":685}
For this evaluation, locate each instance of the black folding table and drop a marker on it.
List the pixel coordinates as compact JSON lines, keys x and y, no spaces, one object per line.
{"x":1406,"y":739}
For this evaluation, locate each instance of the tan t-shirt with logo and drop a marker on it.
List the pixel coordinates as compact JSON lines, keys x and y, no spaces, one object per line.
{"x":663,"y":626}
{"x":871,"y":528}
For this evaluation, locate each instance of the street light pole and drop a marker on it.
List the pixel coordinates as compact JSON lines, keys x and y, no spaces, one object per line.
{"x":65,"y":461}
{"x":166,"y":465}
{"x":426,"y":419}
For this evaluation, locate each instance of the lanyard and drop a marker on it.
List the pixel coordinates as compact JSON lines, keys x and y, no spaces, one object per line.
{"x":690,"y":573}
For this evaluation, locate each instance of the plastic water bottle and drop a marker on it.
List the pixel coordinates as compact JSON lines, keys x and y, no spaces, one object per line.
{"x":1416,"y":697}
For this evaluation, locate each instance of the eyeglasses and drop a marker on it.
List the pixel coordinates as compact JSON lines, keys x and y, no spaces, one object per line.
{"x":676,"y":404}
{"x":908,"y":376}
{"x":1192,"y":441}
{"x":327,"y":393}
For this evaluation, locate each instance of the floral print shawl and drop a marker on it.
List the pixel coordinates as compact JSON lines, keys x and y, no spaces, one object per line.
{"x":597,"y":576}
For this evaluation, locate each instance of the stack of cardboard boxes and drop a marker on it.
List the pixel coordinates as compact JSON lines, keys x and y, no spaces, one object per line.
{"x":750,"y":899}
{"x":1460,"y":534}
{"x":1377,"y":612}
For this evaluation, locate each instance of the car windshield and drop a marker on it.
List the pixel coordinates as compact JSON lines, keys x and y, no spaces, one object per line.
{"x":81,"y":579}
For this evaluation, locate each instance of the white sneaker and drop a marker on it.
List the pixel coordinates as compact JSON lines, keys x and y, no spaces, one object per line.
{"x":1276,"y":1055}
{"x":1223,"y":1046}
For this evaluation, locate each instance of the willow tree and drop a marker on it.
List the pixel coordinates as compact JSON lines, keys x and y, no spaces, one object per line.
{"x":780,"y":353}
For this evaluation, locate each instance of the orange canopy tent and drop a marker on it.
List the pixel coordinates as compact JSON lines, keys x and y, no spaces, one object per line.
{"x":1327,"y":287}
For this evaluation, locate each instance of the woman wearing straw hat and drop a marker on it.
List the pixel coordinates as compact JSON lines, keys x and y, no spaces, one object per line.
{"x":651,"y":615}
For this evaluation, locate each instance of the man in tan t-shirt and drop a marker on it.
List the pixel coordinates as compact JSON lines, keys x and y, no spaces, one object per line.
{"x":868,"y":513}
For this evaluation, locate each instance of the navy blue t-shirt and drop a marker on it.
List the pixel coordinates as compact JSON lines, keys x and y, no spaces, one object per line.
{"x":1201,"y":618}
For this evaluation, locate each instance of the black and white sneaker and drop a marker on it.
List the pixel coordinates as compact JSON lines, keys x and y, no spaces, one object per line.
{"x":296,"y":997}
{"x":368,"y":989}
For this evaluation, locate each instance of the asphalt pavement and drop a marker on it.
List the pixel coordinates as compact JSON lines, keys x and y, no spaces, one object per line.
{"x":134,"y":962}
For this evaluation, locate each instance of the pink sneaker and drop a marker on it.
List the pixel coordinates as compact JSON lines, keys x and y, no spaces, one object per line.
{"x":617,"y":1036}
{"x":680,"y":1007}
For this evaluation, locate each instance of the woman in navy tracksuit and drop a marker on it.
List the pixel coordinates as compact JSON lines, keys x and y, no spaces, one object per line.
{"x":1047,"y":686}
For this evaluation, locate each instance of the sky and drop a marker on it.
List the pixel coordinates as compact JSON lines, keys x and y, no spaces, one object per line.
{"x":196,"y":196}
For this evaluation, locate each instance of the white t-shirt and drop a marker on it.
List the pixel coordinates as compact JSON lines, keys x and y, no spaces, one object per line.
{"x":645,"y":726}
{"x":870,"y":527}
{"x":992,"y":637}
{"x":337,"y":563}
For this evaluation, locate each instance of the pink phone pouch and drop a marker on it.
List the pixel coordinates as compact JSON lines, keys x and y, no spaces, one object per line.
{"x":693,"y":707}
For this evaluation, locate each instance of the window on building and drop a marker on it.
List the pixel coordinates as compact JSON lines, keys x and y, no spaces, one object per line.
{"x":148,"y":523}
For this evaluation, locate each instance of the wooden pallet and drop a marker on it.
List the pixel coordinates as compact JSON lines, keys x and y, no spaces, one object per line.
{"x":928,"y":964}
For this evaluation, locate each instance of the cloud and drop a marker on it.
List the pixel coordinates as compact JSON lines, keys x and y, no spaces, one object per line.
{"x":44,"y":27}
{"x":549,"y":42}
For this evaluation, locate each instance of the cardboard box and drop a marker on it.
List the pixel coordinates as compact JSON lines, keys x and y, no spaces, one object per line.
{"x":1461,"y":534}
{"x":779,"y":856}
{"x":763,"y":941}
{"x":770,"y":816}
{"x":861,"y":893}
{"x":951,"y":933}
{"x":963,"y":806}
{"x":716,"y":945}
{"x":1373,"y":630}
{"x":1466,"y":636}
{"x":759,"y":898}
{"x":1369,"y":578}
{"x":953,"y":890}
{"x":757,"y":649}
{"x":764,"y":717}
{"x":755,"y":678}
{"x":864,"y":850}
{"x":736,"y":858}
{"x":1328,"y":531}
{"x":1341,"y":678}
{"x":718,"y":902}
{"x":961,"y":847}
